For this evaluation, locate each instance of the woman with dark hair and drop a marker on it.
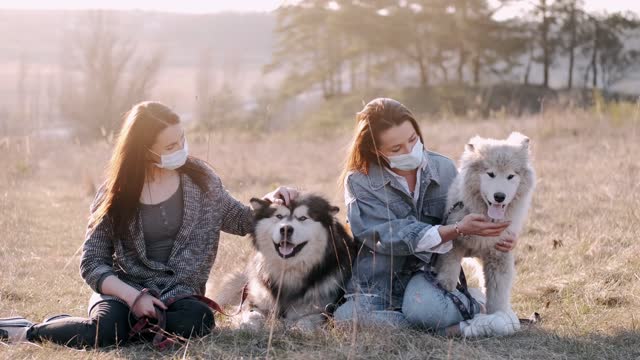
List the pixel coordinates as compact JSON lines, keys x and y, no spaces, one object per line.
{"x":152,"y":236}
{"x":395,"y":194}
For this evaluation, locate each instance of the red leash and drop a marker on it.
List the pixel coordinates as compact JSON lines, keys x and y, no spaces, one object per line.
{"x":162,"y":339}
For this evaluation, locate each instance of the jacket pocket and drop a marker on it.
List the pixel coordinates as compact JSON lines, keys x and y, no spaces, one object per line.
{"x":400,"y":208}
{"x":434,"y":210}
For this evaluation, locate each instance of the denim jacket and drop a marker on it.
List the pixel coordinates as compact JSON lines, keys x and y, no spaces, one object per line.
{"x":388,"y":226}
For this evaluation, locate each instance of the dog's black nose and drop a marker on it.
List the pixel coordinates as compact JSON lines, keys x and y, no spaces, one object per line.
{"x":499,"y":197}
{"x":286,"y":231}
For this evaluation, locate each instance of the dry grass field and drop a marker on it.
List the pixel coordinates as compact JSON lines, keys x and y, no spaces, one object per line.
{"x":577,"y":259}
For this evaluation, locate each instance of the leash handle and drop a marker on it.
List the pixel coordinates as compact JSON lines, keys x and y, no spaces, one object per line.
{"x":143,"y":292}
{"x":139,"y":296}
{"x":162,"y":339}
{"x":143,"y":322}
{"x":212,"y":304}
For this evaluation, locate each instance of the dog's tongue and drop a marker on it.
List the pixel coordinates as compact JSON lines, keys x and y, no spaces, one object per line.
{"x":286,"y":248}
{"x":496,"y":211}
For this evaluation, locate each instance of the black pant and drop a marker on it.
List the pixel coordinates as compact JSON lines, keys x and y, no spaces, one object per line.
{"x":108,"y":324}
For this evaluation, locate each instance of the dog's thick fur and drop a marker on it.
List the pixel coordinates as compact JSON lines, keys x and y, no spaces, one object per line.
{"x":489,"y":167}
{"x":302,"y":262}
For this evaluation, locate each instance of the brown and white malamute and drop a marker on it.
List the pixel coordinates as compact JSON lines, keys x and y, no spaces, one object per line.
{"x":302,"y":262}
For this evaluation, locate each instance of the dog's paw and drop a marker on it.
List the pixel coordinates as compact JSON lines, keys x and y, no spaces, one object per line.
{"x":252,"y":320}
{"x":513,"y":322}
{"x":447,"y":282}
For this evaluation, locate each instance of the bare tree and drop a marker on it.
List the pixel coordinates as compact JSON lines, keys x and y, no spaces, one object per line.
{"x":218,"y":105}
{"x":20,"y":115}
{"x":4,"y":121}
{"x":204,"y":83}
{"x":545,"y":13}
{"x":104,"y":75}
{"x":611,"y":59}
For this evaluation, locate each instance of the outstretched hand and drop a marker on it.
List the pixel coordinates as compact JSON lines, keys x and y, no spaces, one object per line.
{"x":481,"y":225}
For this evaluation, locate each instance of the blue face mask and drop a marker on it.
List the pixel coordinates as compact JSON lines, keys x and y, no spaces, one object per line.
{"x":410,"y":161}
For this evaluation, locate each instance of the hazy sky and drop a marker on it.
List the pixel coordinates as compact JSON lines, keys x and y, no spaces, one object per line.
{"x":202,"y":6}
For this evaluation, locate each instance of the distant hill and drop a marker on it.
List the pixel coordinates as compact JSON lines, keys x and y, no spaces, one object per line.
{"x":247,"y":37}
{"x":240,"y":44}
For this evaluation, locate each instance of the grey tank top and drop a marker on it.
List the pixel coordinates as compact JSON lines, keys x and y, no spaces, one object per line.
{"x":160,"y":225}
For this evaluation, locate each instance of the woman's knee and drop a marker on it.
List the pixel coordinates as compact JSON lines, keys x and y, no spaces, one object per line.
{"x":190,"y":317}
{"x":345,"y":312}
{"x":368,"y":310}
{"x":110,"y":323}
{"x":426,"y":306}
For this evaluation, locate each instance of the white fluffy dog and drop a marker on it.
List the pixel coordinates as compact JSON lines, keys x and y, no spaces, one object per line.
{"x":495,"y":178}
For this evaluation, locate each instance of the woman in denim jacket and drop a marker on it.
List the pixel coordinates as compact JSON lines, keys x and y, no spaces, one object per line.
{"x":395,"y":194}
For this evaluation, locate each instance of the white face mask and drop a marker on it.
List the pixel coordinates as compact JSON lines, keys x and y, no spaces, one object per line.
{"x":410,"y":161}
{"x":175,"y":159}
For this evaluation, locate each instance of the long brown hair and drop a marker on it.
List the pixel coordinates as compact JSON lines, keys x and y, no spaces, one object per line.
{"x":377,"y":116}
{"x":129,"y":163}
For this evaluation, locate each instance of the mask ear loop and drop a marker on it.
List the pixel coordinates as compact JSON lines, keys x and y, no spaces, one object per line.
{"x":156,"y":154}
{"x":183,"y":140}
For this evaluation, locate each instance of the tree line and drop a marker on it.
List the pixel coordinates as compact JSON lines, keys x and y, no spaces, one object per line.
{"x":345,"y":46}
{"x":342,"y":47}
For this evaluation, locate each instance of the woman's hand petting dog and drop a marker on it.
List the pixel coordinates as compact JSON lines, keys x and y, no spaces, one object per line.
{"x":281,"y":195}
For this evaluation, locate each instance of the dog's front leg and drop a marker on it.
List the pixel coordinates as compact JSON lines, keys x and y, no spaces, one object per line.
{"x":448,"y":267}
{"x":499,"y":272}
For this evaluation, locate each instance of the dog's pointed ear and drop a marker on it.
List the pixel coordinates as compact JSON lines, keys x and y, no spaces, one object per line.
{"x":519,"y":138}
{"x":258,"y":204}
{"x":334,"y":210}
{"x":472,"y":145}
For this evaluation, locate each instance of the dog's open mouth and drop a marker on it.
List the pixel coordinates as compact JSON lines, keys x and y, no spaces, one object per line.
{"x":496,"y":211}
{"x":287,"y":250}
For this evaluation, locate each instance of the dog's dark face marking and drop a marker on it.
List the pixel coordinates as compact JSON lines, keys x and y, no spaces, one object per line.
{"x":261,"y":209}
{"x":292,"y":228}
{"x":319,"y":208}
{"x":326,"y":249}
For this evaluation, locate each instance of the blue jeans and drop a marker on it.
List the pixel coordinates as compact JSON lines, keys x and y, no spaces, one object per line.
{"x":427,"y":307}
{"x":424,"y":306}
{"x":368,"y":310}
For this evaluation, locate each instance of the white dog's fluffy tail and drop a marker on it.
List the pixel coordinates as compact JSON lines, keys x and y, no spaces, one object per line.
{"x":230,"y":292}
